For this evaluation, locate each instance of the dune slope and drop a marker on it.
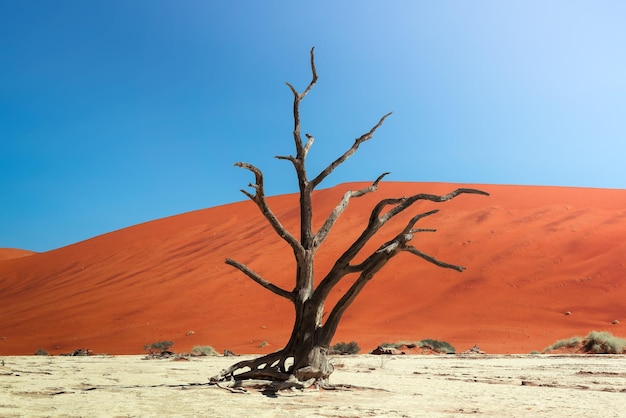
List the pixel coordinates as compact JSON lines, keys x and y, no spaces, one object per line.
{"x":532,"y":254}
{"x":9,"y":253}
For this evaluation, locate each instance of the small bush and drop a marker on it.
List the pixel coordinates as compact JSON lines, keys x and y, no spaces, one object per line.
{"x":434,"y":345}
{"x":437,"y":346}
{"x":158,"y":347}
{"x":595,"y":343}
{"x":566,"y":342}
{"x":41,"y":352}
{"x":345,"y":348}
{"x":203,"y":350}
{"x":398,"y":344}
{"x":603,"y":343}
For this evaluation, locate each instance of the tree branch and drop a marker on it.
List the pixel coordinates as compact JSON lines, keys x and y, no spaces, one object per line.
{"x":432,"y":259}
{"x":260,"y":280}
{"x":259,"y":198}
{"x":413,"y":231}
{"x":314,"y":74}
{"x":373,"y":264}
{"x":297,"y":98}
{"x":286,"y":157}
{"x":405,"y":202}
{"x":391,"y":248}
{"x":308,"y":144}
{"x":378,"y":260}
{"x":321,"y":176}
{"x":341,"y":206}
{"x":342,"y":266}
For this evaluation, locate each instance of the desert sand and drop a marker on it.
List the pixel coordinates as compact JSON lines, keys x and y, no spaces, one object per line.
{"x":390,"y":386}
{"x":532,"y":254}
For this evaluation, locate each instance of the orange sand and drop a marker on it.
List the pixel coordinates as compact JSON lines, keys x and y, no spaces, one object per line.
{"x":532,"y":253}
{"x":8,"y":253}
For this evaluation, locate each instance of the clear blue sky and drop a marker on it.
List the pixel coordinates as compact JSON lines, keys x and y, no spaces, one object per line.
{"x":114,"y":113}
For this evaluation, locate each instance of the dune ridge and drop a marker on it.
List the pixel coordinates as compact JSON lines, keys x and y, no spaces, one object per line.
{"x":9,"y":253}
{"x":532,"y":253}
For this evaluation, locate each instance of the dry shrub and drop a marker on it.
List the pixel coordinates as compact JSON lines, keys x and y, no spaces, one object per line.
{"x":345,"y":348}
{"x":566,"y":342}
{"x":427,"y":344}
{"x":203,"y":350}
{"x":158,"y":347}
{"x":603,"y":343}
{"x":596,"y":342}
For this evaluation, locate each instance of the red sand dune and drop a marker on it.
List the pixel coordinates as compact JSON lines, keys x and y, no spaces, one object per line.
{"x":9,"y":253}
{"x":532,"y":253}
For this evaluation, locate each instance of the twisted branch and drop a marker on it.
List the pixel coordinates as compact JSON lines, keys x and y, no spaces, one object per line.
{"x":432,"y":259}
{"x":331,"y":167}
{"x":377,"y":219}
{"x":341,"y":206}
{"x":297,"y":98}
{"x":260,"y":280}
{"x":259,"y":198}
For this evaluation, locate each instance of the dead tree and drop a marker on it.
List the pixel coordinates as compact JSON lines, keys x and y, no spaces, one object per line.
{"x":304,"y":361}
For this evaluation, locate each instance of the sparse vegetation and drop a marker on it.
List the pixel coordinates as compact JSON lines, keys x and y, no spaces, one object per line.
{"x":158,"y":347}
{"x":438,"y":346}
{"x":566,"y":342}
{"x":79,"y":352}
{"x":427,"y":344}
{"x":596,"y":342}
{"x":203,"y":350}
{"x":603,"y":343}
{"x":345,"y":348}
{"x":398,"y":344}
{"x":41,"y":352}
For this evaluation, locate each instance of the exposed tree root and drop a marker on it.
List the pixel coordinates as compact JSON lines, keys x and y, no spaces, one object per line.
{"x":269,"y":367}
{"x":230,"y":389}
{"x":273,"y":372}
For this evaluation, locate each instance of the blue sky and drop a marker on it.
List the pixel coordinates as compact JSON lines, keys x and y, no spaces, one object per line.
{"x":114,"y":113}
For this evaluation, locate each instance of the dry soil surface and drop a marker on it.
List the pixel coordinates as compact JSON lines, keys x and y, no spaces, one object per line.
{"x":394,"y":386}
